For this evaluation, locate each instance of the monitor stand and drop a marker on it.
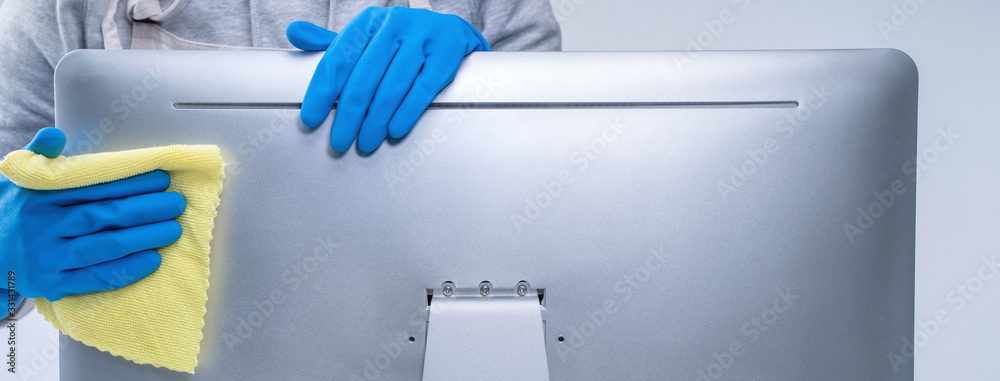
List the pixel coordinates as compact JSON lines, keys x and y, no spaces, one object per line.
{"x":485,"y":333}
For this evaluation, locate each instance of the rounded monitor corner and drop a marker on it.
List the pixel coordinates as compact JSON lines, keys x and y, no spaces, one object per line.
{"x":70,"y":61}
{"x":903,"y":62}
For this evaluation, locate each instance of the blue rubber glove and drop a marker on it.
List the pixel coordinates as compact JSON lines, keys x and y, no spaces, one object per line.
{"x":83,"y":240}
{"x":386,"y":66}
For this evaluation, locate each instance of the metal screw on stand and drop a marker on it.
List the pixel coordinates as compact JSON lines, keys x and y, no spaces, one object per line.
{"x":484,"y":288}
{"x":447,"y":288}
{"x":522,"y":288}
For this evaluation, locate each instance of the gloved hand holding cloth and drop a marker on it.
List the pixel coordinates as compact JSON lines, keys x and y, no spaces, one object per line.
{"x":114,"y":245}
{"x":77,"y":241}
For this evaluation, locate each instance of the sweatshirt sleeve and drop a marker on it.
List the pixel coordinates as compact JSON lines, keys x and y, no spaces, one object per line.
{"x":519,"y":25}
{"x":32,"y":44}
{"x":33,"y":37}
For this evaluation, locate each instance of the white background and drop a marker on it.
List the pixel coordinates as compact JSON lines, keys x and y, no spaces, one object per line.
{"x":958,"y":212}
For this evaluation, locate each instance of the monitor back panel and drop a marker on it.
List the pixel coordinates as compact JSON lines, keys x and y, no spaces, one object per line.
{"x":738,"y":215}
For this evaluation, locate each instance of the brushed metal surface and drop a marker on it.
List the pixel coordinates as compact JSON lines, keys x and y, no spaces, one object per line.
{"x":321,"y":261}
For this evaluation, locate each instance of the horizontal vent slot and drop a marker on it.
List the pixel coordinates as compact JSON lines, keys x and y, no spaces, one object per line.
{"x":502,"y":105}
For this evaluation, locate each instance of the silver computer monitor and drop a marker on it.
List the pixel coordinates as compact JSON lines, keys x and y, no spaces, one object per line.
{"x":720,"y":215}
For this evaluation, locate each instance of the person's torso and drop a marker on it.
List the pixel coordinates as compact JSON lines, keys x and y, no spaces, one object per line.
{"x":228,"y":24}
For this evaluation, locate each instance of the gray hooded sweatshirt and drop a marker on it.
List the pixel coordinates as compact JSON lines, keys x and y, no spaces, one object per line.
{"x":35,"y":34}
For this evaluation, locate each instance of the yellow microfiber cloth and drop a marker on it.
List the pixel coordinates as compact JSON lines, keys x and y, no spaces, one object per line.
{"x":157,"y":320}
